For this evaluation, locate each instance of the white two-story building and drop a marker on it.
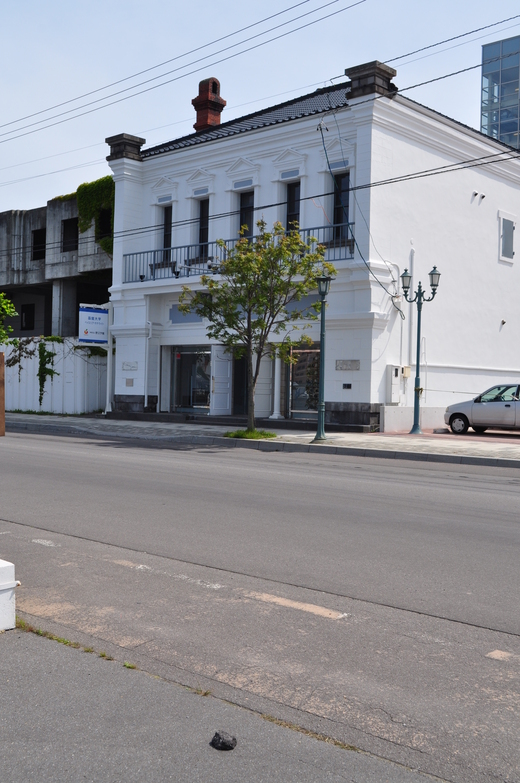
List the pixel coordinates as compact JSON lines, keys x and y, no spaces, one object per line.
{"x":385,"y":184}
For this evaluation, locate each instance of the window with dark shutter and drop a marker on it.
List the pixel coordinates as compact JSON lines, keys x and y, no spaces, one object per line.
{"x":203,"y":227}
{"x":293,"y":205}
{"x":341,"y":197}
{"x":508,"y":233}
{"x":247,"y":213}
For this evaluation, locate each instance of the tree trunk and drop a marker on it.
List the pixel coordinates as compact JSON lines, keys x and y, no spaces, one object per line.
{"x":250,"y":391}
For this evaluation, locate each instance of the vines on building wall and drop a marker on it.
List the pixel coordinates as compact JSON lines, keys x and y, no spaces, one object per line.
{"x":96,"y":203}
{"x":46,"y":363}
{"x":21,"y":348}
{"x":91,"y":350}
{"x":26,"y":348}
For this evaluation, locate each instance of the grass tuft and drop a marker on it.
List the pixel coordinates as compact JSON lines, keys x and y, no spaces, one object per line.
{"x":22,"y":625}
{"x":201,"y":692}
{"x":250,"y":434}
{"x":313,"y":734}
{"x":129,"y":665}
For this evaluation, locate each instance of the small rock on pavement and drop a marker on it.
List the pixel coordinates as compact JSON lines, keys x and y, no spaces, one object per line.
{"x":223,"y":741}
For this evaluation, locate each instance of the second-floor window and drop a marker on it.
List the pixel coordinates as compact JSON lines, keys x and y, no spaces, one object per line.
{"x":203,"y":227}
{"x":247,"y":212}
{"x":293,"y":205}
{"x":341,"y":198}
{"x":69,"y":234}
{"x":167,"y":226}
{"x":39,"y":238}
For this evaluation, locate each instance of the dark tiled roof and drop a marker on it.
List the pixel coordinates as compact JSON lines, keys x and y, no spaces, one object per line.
{"x":317,"y":102}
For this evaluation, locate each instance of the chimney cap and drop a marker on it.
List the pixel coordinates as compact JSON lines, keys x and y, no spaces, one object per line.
{"x":208,"y":104}
{"x":124,"y":145}
{"x":372,"y":77}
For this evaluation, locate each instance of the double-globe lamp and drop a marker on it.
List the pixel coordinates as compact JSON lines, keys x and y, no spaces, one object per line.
{"x":419,"y":297}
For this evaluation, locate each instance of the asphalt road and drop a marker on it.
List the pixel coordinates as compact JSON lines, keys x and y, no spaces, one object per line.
{"x":377,"y":602}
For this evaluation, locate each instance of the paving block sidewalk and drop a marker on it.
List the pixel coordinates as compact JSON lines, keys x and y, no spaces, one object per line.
{"x":493,"y":449}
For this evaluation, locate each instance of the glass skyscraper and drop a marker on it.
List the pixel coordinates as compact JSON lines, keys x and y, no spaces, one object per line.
{"x":500,"y":94}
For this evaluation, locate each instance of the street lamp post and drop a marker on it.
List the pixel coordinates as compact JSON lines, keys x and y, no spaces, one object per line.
{"x":406,"y":280}
{"x":323,"y":289}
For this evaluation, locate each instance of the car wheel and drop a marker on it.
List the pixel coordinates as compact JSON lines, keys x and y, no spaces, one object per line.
{"x":480,"y":430}
{"x":459,"y":424}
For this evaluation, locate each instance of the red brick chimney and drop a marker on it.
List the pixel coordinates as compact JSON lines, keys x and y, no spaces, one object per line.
{"x":208,"y":104}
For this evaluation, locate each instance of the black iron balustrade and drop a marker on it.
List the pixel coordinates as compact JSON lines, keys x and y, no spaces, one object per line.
{"x":202,"y":259}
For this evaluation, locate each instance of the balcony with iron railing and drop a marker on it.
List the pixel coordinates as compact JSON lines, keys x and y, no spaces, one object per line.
{"x":205,"y":258}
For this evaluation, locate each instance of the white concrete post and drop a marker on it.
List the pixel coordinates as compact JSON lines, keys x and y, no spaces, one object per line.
{"x":277,"y":389}
{"x":7,"y":586}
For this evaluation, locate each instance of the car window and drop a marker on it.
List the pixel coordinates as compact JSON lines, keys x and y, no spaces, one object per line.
{"x":501,"y":394}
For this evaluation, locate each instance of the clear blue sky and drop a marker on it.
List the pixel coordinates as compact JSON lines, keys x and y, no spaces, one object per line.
{"x":57,"y":50}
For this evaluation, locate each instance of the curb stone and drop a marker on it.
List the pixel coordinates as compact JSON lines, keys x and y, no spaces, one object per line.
{"x":263,"y":445}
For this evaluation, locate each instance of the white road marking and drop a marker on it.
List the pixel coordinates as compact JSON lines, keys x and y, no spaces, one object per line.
{"x":321,"y":611}
{"x":184,"y":577}
{"x":44,"y":542}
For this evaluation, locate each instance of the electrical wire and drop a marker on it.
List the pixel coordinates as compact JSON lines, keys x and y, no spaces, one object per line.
{"x":484,"y":160}
{"x":345,"y":213}
{"x":236,"y":32}
{"x":456,"y":46}
{"x":454,"y":38}
{"x":358,"y":207}
{"x":177,"y":78}
{"x":481,"y":161}
{"x":142,"y":132}
{"x":368,"y":100}
{"x":154,"y":67}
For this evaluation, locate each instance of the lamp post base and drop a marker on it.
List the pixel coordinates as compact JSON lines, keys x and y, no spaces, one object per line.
{"x":416,"y":430}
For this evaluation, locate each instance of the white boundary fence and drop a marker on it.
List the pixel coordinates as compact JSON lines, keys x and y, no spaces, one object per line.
{"x":78,"y":387}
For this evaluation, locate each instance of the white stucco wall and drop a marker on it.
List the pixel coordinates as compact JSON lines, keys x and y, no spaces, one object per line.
{"x":439,"y":220}
{"x":415,"y":224}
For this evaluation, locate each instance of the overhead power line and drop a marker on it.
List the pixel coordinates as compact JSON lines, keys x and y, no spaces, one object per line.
{"x":378,"y":97}
{"x":454,"y":38}
{"x":484,"y":160}
{"x":141,"y":133}
{"x":177,"y":78}
{"x":154,"y":67}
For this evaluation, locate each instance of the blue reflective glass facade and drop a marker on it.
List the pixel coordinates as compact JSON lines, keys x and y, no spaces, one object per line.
{"x":500,"y":90}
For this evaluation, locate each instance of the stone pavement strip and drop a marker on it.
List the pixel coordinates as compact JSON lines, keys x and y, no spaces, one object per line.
{"x":492,"y":449}
{"x":67,"y":715}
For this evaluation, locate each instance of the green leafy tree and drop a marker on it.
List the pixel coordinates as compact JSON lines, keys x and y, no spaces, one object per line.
{"x":7,"y":310}
{"x":256,"y":299}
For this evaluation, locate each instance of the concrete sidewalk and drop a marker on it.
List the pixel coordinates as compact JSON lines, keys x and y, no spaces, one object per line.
{"x":68,"y":715}
{"x":492,"y":449}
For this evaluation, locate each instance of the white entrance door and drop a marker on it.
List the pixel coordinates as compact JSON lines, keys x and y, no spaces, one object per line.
{"x":221,"y":381}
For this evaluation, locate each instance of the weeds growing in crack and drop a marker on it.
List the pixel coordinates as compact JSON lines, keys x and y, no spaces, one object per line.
{"x":22,"y":625}
{"x":313,"y":734}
